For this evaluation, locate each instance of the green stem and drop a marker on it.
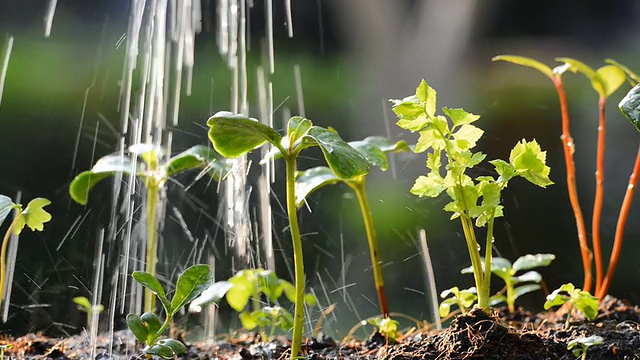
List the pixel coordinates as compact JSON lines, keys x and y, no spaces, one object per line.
{"x":358,"y":186}
{"x":488,"y":254}
{"x":296,"y":341}
{"x":3,"y":255}
{"x":474,"y":254}
{"x":153,"y":195}
{"x":165,"y":325}
{"x":511,"y":301}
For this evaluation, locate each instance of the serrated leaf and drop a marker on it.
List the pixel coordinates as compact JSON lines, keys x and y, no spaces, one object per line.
{"x":345,"y":161}
{"x":630,"y":106}
{"x":430,"y":185}
{"x":311,"y":180}
{"x":213,"y":294}
{"x":459,"y":117}
{"x":198,"y":157}
{"x":611,"y":77}
{"x":408,"y":108}
{"x":430,"y":139}
{"x":175,"y":345}
{"x":191,"y":283}
{"x":529,"y":162}
{"x":137,"y":327}
{"x":150,"y":282}
{"x":163,"y":351}
{"x":505,"y":170}
{"x":152,"y":322}
{"x":233,"y":135}
{"x":525,"y":61}
{"x":296,"y":128}
{"x":427,"y":96}
{"x":6,"y":206}
{"x":530,"y":261}
{"x":34,"y":216}
{"x":525,"y":289}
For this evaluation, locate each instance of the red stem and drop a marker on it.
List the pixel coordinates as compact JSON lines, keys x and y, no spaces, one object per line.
{"x":622,"y":219}
{"x":597,"y":204}
{"x":569,"y":148}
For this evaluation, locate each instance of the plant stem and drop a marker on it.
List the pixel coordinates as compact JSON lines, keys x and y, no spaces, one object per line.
{"x":153,"y":194}
{"x":3,"y":254}
{"x":358,"y":186}
{"x":599,"y":196}
{"x":622,"y":219}
{"x":296,"y":341}
{"x":476,"y":261}
{"x":488,"y":254}
{"x":511,"y":303}
{"x":569,"y":148}
{"x":165,"y":325}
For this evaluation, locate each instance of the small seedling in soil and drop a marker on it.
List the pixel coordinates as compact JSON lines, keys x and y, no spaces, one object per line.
{"x":244,"y":293}
{"x":3,"y":348}
{"x":471,"y":199}
{"x":84,"y":305}
{"x":387,"y":327}
{"x":374,"y":149}
{"x":233,"y":135}
{"x":148,"y":327}
{"x":580,"y":346}
{"x":154,"y":171}
{"x":579,"y":299}
{"x":33,"y":216}
{"x":507,"y":272}
{"x":463,"y":299}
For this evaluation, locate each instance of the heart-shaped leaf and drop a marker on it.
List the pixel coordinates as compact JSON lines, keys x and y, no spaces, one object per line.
{"x":529,"y":261}
{"x":198,"y":157}
{"x":137,"y":327}
{"x":311,"y":180}
{"x":150,"y":282}
{"x":105,"y":167}
{"x":6,"y":205}
{"x":191,"y":283}
{"x":34,"y":216}
{"x":630,"y":106}
{"x":233,"y":135}
{"x":211,"y":295}
{"x":525,"y":61}
{"x":345,"y":161}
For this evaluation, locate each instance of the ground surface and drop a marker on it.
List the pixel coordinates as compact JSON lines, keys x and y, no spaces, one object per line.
{"x":473,"y":336}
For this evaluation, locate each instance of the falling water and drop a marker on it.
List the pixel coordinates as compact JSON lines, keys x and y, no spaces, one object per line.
{"x":11,"y":266}
{"x":5,"y":63}
{"x":430,"y":279}
{"x":48,"y":18}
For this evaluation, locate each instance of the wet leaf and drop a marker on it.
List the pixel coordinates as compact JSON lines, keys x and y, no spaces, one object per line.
{"x":525,"y":289}
{"x":6,"y":206}
{"x":191,"y":283}
{"x":137,"y":327}
{"x":198,"y":157}
{"x":152,"y":322}
{"x":529,"y":261}
{"x":150,"y":282}
{"x":297,"y":127}
{"x":149,"y":153}
{"x":532,"y":276}
{"x":525,"y":61}
{"x":630,"y":106}
{"x":584,"y":343}
{"x":311,"y":180}
{"x":163,"y":351}
{"x":105,"y":167}
{"x":233,"y":135}
{"x":175,"y":345}
{"x":213,"y":294}
{"x":34,"y":216}
{"x":345,"y":161}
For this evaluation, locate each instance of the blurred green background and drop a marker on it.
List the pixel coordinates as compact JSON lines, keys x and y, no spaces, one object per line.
{"x":353,"y":56}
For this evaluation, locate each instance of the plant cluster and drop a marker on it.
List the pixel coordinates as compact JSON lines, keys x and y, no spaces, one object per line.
{"x":578,"y":299}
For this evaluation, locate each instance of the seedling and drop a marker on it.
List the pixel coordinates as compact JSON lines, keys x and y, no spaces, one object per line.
{"x":33,"y":216}
{"x":85,"y":306}
{"x":148,"y":328}
{"x":579,"y":299}
{"x":244,"y":293}
{"x":580,"y":346}
{"x":233,"y":135}
{"x":526,"y":282}
{"x":478,"y":198}
{"x":154,"y":172}
{"x":374,"y":149}
{"x":387,"y":327}
{"x":463,"y":299}
{"x":3,"y":348}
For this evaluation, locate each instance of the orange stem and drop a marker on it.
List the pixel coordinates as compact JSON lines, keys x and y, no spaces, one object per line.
{"x":622,"y":219}
{"x":569,"y":148}
{"x":597,"y":204}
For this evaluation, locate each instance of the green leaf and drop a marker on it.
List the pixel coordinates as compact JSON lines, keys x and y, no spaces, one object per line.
{"x":500,"y":266}
{"x":427,"y":96}
{"x":467,"y":136}
{"x":445,"y":306}
{"x":529,"y":261}
{"x":597,"y":82}
{"x":408,"y":108}
{"x":34,"y":216}
{"x":161,"y":350}
{"x":559,"y":296}
{"x":345,"y":161}
{"x":532,"y":276}
{"x":634,"y":79}
{"x":311,"y":180}
{"x":243,"y":288}
{"x":297,"y":128}
{"x":191,"y":283}
{"x":310,"y":299}
{"x":530,"y":162}
{"x":233,"y":135}
{"x":6,"y":205}
{"x":270,"y":285}
{"x":524,"y":289}
{"x":430,"y":185}
{"x":289,"y":291}
{"x":213,"y":294}
{"x":83,"y":303}
{"x":150,"y":282}
{"x":587,"y":304}
{"x":249,"y":320}
{"x":104,"y":168}
{"x":525,"y":61}
{"x":137,"y":327}
{"x":198,"y":157}
{"x":175,"y":345}
{"x":149,"y":153}
{"x":505,"y":170}
{"x":459,"y":117}
{"x":497,"y":300}
{"x":370,"y":149}
{"x":611,"y":77}
{"x":630,"y":106}
{"x":152,"y":322}
{"x":585,"y":342}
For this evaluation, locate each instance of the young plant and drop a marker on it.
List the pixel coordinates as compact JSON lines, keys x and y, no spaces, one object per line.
{"x":387,"y":327}
{"x":33,"y":216}
{"x":3,"y":348}
{"x":84,"y":305}
{"x":580,"y":346}
{"x":579,"y":299}
{"x":148,"y":327}
{"x":463,"y":299}
{"x":516,"y":285}
{"x":154,"y":171}
{"x":471,"y":199}
{"x":374,"y":149}
{"x":244,"y":293}
{"x":233,"y":135}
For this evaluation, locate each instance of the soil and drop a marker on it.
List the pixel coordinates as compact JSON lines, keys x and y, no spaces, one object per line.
{"x":475,"y":335}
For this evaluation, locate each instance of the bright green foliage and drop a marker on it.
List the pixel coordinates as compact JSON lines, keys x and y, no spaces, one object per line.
{"x":463,"y":299}
{"x":387,"y":327}
{"x":579,"y":299}
{"x":244,"y":293}
{"x":148,"y":328}
{"x":605,"y":81}
{"x":478,"y":199}
{"x":580,"y":346}
{"x":516,"y":285}
{"x":525,"y":61}
{"x":84,"y":305}
{"x":632,"y":77}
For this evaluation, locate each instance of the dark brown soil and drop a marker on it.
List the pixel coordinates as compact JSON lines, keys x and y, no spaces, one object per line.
{"x":476,"y":335}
